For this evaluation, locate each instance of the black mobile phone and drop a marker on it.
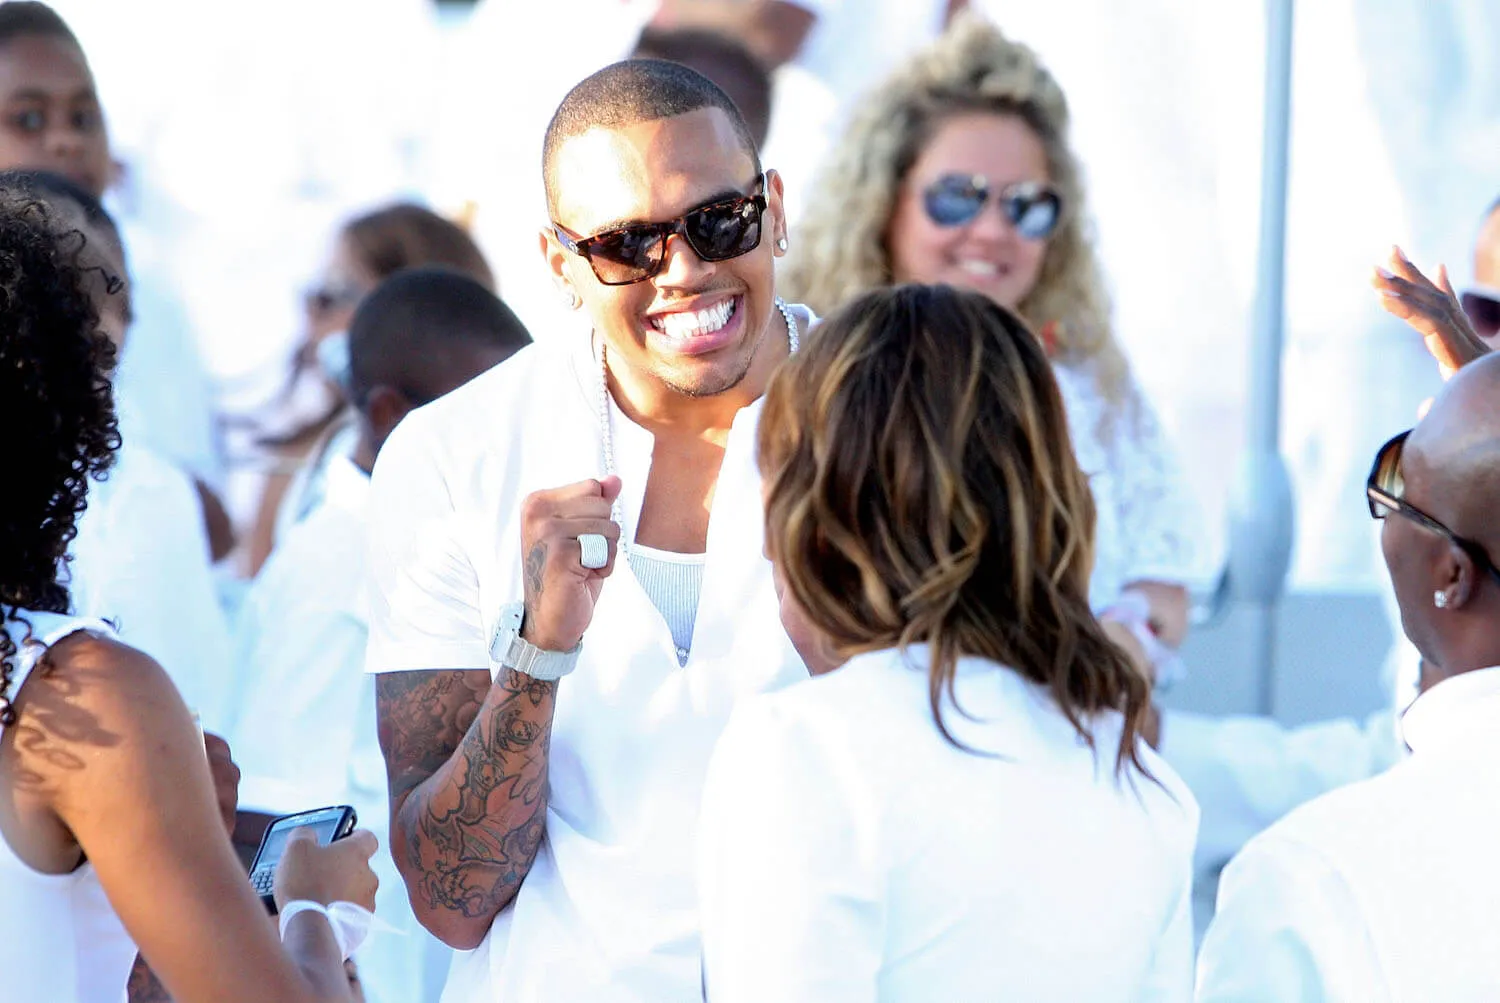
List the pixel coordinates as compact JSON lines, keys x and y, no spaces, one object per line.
{"x":328,"y":824}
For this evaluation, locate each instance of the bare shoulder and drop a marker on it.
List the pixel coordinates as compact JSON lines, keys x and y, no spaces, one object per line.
{"x":92,"y":696}
{"x":93,"y":672}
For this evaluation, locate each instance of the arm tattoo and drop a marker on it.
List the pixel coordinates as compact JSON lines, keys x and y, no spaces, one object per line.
{"x":536,"y":564}
{"x":144,"y":987}
{"x":468,"y":775}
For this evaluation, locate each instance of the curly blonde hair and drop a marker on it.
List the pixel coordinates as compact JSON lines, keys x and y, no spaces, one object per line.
{"x":841,"y":252}
{"x":921,"y":488}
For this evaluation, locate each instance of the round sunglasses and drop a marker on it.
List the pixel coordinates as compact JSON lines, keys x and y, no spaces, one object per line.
{"x":956,"y":200}
{"x":1385,"y":488}
{"x":721,"y":230}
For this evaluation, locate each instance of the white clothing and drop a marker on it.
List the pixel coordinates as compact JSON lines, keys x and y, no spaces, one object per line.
{"x":1247,"y":772}
{"x":304,"y":735}
{"x":1382,"y":891}
{"x":1147,"y":523}
{"x":60,"y":940}
{"x":848,"y":852}
{"x":141,"y":561}
{"x":162,"y":391}
{"x":608,"y":910}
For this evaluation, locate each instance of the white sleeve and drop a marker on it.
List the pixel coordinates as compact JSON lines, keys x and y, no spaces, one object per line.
{"x":296,"y":730}
{"x":1247,"y":772}
{"x":788,"y":881}
{"x":1158,"y":517}
{"x":1171,"y":977}
{"x":424,"y":592}
{"x":1287,"y":930}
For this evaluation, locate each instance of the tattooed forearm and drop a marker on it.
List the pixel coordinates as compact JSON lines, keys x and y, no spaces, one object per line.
{"x":468,"y":776}
{"x":144,"y":987}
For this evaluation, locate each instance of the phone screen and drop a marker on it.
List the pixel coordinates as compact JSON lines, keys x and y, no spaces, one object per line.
{"x":323,"y":828}
{"x":327,"y":825}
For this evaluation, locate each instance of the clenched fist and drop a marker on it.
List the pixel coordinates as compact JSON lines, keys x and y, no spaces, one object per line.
{"x":560,"y":591}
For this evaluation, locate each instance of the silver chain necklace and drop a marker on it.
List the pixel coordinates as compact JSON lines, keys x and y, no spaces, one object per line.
{"x":606,"y":422}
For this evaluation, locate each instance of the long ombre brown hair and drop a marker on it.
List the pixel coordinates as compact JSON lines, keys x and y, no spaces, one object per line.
{"x":921,"y":488}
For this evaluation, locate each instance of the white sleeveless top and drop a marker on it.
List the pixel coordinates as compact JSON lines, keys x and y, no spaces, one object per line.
{"x":60,"y":940}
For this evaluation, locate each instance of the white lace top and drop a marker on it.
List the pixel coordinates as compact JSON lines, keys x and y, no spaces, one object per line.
{"x":1148,"y":523}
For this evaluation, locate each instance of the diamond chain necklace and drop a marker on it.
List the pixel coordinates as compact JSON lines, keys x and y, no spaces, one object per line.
{"x":606,"y":422}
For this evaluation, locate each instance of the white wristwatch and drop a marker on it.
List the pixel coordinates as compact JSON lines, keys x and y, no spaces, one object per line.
{"x":510,"y":650}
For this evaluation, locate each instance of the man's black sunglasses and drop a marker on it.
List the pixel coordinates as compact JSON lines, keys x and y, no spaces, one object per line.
{"x":718,"y":231}
{"x":1384,"y":489}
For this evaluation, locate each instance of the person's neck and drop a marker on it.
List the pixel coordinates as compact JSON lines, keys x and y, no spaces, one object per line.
{"x":1470,"y":647}
{"x":663,"y":411}
{"x":365,"y":451}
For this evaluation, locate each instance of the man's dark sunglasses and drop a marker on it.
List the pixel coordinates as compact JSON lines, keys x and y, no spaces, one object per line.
{"x":716,"y":232}
{"x":956,"y":199}
{"x":1384,"y":489}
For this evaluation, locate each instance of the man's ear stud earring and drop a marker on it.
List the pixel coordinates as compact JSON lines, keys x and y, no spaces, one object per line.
{"x":1440,"y":599}
{"x":781,"y":244}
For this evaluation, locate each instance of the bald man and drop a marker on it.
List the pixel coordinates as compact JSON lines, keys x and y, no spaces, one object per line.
{"x":1390,"y":889}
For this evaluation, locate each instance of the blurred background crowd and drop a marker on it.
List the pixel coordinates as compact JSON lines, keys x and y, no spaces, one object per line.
{"x":270,"y":163}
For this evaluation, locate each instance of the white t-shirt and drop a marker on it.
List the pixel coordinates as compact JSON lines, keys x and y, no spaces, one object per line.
{"x":848,"y":852}
{"x":304,"y":732}
{"x":141,"y":561}
{"x":608,"y":911}
{"x":1385,"y":890}
{"x":60,"y":940}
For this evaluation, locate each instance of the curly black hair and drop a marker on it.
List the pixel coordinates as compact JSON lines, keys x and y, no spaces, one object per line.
{"x":56,"y":407}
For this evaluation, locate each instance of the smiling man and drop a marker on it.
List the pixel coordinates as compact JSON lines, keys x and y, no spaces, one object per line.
{"x":569,"y":592}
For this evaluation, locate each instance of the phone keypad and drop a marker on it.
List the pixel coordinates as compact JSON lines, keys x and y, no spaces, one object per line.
{"x":263,"y":880}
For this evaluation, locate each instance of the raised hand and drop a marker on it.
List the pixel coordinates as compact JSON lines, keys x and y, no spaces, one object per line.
{"x":1432,"y":309}
{"x":560,"y":591}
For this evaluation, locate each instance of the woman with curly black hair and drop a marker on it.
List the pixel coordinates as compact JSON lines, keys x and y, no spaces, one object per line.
{"x":109,"y":833}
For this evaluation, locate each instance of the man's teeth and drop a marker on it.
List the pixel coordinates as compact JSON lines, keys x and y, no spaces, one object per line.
{"x":695,"y":323}
{"x":984,"y":269}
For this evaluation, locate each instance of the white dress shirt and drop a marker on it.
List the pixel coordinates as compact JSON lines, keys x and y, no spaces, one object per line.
{"x":141,"y":561}
{"x":849,"y":853}
{"x":1387,"y":890}
{"x":608,"y":911}
{"x":304,"y":736}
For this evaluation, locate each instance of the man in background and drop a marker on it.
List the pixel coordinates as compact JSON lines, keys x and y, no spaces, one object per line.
{"x":305,"y":735}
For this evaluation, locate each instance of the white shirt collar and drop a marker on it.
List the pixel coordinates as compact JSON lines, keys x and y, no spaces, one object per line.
{"x":1460,"y":712}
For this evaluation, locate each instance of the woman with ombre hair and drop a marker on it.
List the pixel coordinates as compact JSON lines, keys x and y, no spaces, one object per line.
{"x":960,"y":805}
{"x":958,"y":169}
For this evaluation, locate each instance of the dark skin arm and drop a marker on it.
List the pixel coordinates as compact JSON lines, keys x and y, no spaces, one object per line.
{"x":467,"y":764}
{"x":466,"y":758}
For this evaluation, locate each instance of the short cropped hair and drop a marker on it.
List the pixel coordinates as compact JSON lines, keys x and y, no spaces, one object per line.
{"x":404,"y":330}
{"x":20,"y":19}
{"x":625,"y":93}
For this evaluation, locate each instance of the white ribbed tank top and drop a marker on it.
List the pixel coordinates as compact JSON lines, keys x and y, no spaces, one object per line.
{"x":60,"y":941}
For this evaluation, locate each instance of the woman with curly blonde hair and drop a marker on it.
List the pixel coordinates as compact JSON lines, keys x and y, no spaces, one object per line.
{"x":958,"y":170}
{"x":959,"y":806}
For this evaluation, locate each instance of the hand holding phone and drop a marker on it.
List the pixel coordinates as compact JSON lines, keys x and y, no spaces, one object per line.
{"x":326,"y":825}
{"x":339,"y":872}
